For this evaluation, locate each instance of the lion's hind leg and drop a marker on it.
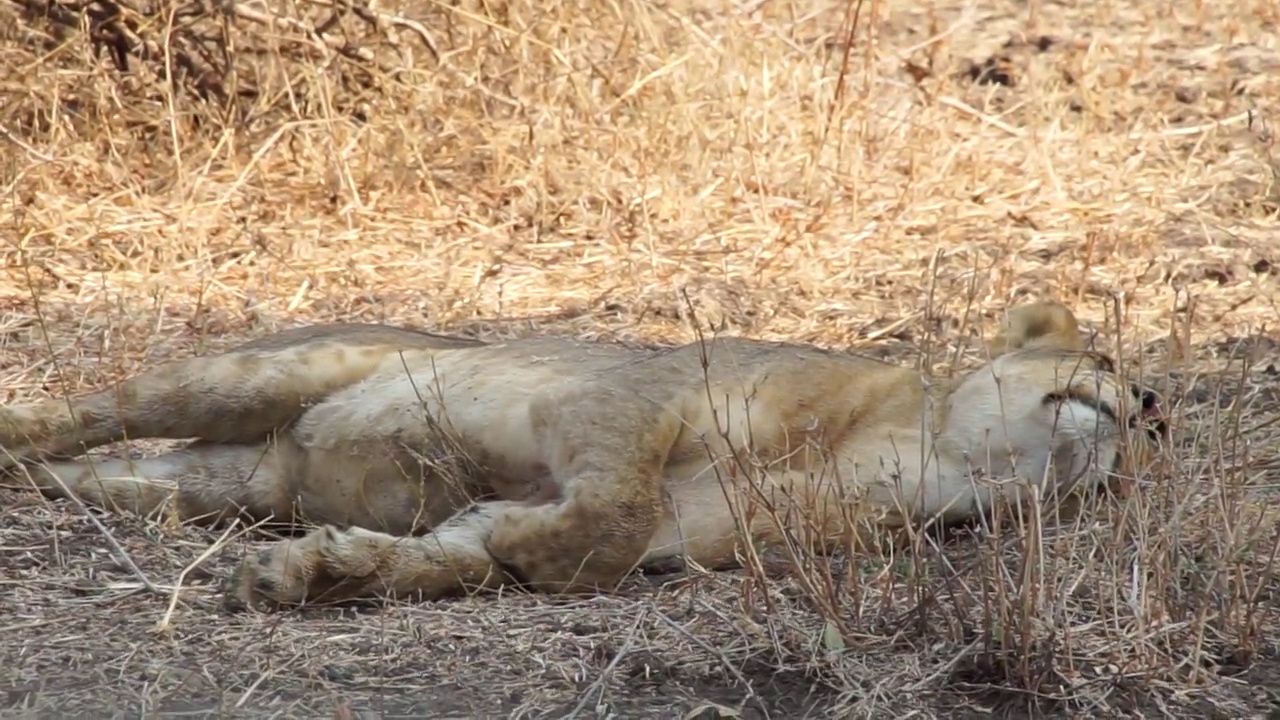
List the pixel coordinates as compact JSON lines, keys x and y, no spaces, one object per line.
{"x":237,"y":397}
{"x":202,"y":482}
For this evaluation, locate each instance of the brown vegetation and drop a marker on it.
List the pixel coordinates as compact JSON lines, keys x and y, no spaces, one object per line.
{"x":885,"y":176}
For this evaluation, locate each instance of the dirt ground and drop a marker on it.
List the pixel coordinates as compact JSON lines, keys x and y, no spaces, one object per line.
{"x":883,"y":177}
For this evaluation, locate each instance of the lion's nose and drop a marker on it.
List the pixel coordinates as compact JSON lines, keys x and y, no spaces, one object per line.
{"x":1151,"y":410}
{"x":1150,"y":401}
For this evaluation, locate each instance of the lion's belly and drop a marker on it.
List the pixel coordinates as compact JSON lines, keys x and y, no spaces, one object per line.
{"x":450,"y":424}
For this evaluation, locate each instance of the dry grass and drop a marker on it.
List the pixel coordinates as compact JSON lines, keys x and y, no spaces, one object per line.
{"x":577,"y":167}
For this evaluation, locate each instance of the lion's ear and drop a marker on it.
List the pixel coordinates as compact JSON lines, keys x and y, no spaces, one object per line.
{"x":1039,"y":325}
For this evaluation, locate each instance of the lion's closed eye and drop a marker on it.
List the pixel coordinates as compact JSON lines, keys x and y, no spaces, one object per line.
{"x":1089,"y":400}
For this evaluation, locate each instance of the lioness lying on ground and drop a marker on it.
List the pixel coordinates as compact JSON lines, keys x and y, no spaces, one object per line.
{"x":435,"y":464}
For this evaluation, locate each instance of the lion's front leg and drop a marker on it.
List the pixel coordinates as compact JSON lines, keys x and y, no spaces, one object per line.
{"x":335,"y":565}
{"x":606,"y":466}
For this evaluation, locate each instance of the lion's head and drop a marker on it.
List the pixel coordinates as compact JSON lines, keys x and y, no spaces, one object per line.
{"x":1060,"y":413}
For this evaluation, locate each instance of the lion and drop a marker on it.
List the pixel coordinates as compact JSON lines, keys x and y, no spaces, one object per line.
{"x":432,"y":465}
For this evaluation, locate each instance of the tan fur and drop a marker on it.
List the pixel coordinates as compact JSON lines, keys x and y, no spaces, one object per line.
{"x":434,"y":464}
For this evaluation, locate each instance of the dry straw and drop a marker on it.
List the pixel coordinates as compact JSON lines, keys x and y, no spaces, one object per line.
{"x":179,"y":176}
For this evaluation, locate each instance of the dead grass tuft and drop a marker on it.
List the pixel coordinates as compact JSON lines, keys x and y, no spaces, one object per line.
{"x":881,"y":175}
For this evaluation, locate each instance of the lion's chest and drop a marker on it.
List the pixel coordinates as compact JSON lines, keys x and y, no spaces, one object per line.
{"x":780,"y":431}
{"x":730,"y":427}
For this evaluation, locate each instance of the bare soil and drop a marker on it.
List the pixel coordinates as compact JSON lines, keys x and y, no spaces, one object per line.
{"x":883,"y":177}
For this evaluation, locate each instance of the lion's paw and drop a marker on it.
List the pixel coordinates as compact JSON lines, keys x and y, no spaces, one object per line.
{"x":17,"y":426}
{"x":324,"y":566}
